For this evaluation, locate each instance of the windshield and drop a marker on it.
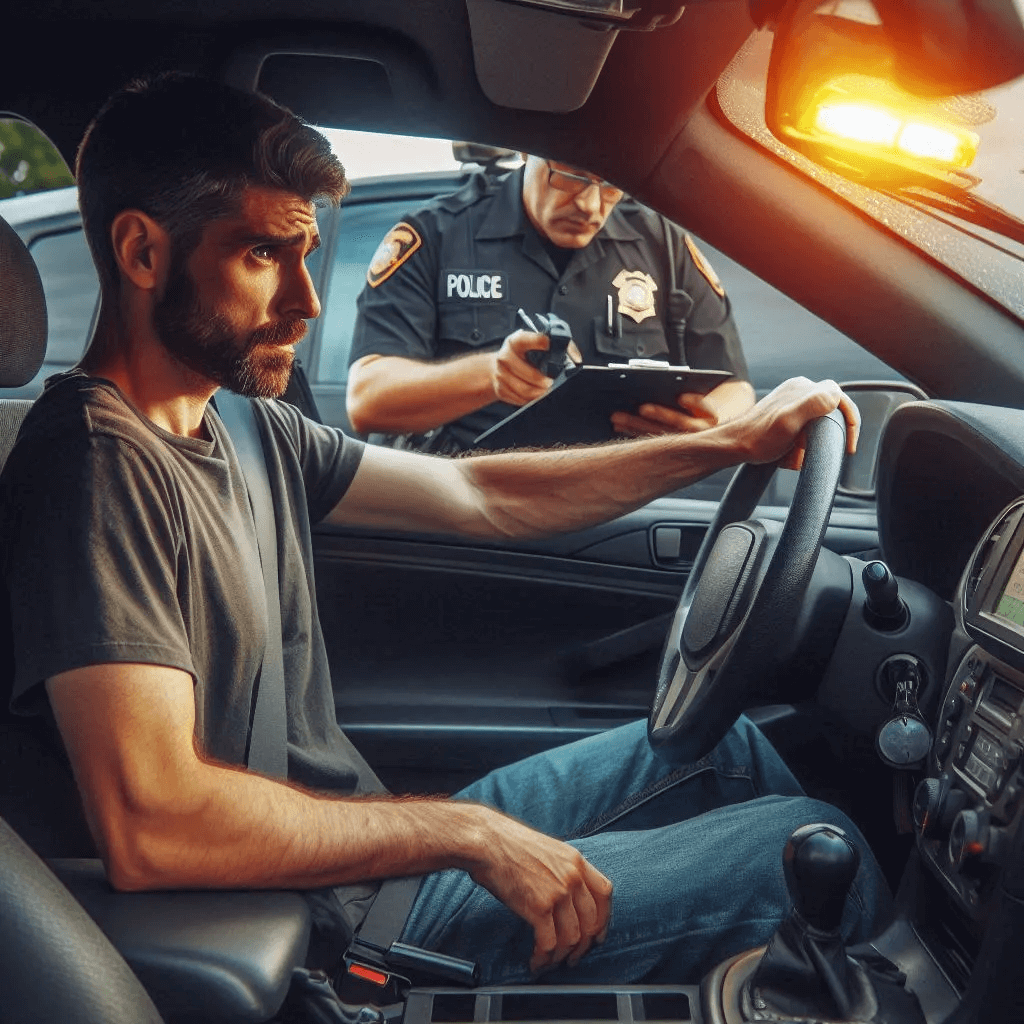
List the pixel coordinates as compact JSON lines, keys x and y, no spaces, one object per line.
{"x":978,"y":244}
{"x":374,"y":154}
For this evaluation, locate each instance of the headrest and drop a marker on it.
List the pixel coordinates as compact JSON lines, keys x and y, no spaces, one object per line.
{"x":22,"y":312}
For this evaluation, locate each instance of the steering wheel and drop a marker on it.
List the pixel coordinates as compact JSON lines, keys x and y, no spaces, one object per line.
{"x":742,"y":600}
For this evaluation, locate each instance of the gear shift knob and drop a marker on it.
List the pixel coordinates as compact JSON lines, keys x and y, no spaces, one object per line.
{"x":820,"y":863}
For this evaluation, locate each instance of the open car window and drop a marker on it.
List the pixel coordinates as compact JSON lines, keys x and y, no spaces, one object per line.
{"x":389,"y":176}
{"x":392,"y":175}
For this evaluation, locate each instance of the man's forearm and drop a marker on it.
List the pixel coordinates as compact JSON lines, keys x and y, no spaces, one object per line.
{"x":223,"y":828}
{"x":165,"y":817}
{"x":395,"y":395}
{"x":537,"y":493}
{"x":521,"y":494}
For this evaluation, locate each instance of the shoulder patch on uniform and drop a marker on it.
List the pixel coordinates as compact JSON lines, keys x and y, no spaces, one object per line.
{"x":701,"y":262}
{"x":398,"y":245}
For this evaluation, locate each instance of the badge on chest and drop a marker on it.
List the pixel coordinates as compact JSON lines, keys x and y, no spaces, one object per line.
{"x":636,"y":294}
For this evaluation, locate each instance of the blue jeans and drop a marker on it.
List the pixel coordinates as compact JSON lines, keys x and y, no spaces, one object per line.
{"x":694,"y":853}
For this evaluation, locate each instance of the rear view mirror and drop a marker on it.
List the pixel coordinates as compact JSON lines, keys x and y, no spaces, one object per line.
{"x":876,"y":400}
{"x":854,"y":85}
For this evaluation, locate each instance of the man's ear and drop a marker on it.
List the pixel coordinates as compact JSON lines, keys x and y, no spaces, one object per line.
{"x":142,"y":249}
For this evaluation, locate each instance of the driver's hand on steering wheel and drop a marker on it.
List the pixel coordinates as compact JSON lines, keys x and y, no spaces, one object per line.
{"x":549,"y":884}
{"x":773,"y":430}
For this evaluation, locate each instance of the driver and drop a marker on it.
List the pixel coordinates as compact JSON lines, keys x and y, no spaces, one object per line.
{"x":130,"y":558}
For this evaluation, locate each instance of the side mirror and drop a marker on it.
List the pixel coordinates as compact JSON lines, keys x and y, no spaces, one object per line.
{"x":853,"y":84}
{"x":492,"y":159}
{"x":876,"y":400}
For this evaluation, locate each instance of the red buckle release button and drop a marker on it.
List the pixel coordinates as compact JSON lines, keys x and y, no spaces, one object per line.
{"x":368,"y":974}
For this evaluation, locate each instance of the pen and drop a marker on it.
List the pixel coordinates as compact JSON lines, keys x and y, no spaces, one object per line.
{"x":527,"y":322}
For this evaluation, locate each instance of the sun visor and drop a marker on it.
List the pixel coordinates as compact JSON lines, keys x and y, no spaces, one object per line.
{"x":347,"y":80}
{"x":531,"y":59}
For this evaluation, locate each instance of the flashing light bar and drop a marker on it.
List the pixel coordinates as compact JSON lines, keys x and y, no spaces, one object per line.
{"x":872,"y":125}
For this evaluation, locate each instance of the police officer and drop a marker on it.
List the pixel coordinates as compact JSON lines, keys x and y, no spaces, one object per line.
{"x":436,"y":352}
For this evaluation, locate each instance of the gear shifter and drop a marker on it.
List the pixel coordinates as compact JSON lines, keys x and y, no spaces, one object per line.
{"x":805,"y":972}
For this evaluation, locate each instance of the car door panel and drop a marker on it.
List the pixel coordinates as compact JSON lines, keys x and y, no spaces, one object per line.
{"x":449,"y":658}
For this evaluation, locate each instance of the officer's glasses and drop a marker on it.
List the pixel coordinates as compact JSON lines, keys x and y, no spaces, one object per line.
{"x":575,"y":184}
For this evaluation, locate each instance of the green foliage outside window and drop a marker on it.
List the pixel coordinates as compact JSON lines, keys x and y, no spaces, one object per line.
{"x":29,"y":162}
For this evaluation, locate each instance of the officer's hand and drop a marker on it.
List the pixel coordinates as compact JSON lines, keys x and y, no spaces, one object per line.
{"x":549,"y":884}
{"x":660,"y":419}
{"x":514,"y":379}
{"x":774,"y":429}
{"x":695,"y":412}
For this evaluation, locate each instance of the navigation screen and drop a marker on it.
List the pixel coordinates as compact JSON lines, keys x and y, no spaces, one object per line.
{"x":1011,"y":604}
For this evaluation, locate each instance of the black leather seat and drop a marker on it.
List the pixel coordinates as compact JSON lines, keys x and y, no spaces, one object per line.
{"x":55,"y":963}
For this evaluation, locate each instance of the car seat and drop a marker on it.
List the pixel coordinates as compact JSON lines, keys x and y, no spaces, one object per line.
{"x":64,"y":968}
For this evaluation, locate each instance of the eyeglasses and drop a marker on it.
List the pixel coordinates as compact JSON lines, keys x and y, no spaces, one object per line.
{"x":575,"y":184}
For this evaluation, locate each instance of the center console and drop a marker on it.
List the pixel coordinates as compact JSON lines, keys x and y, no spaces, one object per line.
{"x":969,"y":808}
{"x":968,"y":906}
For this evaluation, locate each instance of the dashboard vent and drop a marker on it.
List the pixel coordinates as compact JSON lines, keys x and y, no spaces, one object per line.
{"x":983,"y":558}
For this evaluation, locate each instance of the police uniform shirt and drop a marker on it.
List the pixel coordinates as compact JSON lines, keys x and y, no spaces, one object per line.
{"x":448,"y":281}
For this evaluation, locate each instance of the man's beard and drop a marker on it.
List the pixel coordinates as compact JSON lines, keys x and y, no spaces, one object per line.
{"x":257,"y":365}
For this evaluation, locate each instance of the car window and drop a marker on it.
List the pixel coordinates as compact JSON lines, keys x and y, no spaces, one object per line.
{"x":71,"y":288}
{"x":29,"y":162}
{"x":781,"y":339}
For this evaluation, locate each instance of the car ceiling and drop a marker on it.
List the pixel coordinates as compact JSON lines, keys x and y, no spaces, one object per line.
{"x":645,"y":125}
{"x":83,"y":50}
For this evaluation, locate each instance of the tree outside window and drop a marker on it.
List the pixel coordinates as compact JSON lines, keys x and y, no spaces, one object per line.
{"x":29,"y":162}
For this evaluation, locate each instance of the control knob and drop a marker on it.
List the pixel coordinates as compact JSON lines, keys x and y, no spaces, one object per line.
{"x":968,"y":837}
{"x":883,"y":607}
{"x":936,"y":805}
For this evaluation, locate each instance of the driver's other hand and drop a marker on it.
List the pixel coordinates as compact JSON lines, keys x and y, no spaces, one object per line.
{"x":513,"y":378}
{"x":549,"y":884}
{"x":773,"y":430}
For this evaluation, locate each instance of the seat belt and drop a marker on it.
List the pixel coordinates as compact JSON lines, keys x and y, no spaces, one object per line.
{"x":376,"y":956}
{"x":267,"y":744}
{"x":376,"y":941}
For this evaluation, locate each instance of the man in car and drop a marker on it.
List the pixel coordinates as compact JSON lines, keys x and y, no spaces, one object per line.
{"x":131,"y":563}
{"x":439,"y":355}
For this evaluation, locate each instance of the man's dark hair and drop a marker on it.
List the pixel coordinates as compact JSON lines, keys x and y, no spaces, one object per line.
{"x":183,"y":149}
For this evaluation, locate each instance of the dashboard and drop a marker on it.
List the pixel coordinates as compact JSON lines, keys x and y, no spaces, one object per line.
{"x":951,"y":519}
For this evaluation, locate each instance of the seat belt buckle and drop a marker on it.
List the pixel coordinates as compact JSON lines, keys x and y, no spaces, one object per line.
{"x":401,"y":964}
{"x":425,"y":963}
{"x":364,"y":980}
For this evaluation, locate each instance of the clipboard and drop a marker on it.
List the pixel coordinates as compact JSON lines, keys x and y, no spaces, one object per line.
{"x":578,"y":407}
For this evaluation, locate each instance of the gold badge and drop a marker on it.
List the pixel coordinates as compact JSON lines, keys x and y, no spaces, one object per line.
{"x":398,"y":245}
{"x":636,"y":294}
{"x":704,"y":267}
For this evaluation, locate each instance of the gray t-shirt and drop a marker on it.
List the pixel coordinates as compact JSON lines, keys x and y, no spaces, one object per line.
{"x":122,"y":542}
